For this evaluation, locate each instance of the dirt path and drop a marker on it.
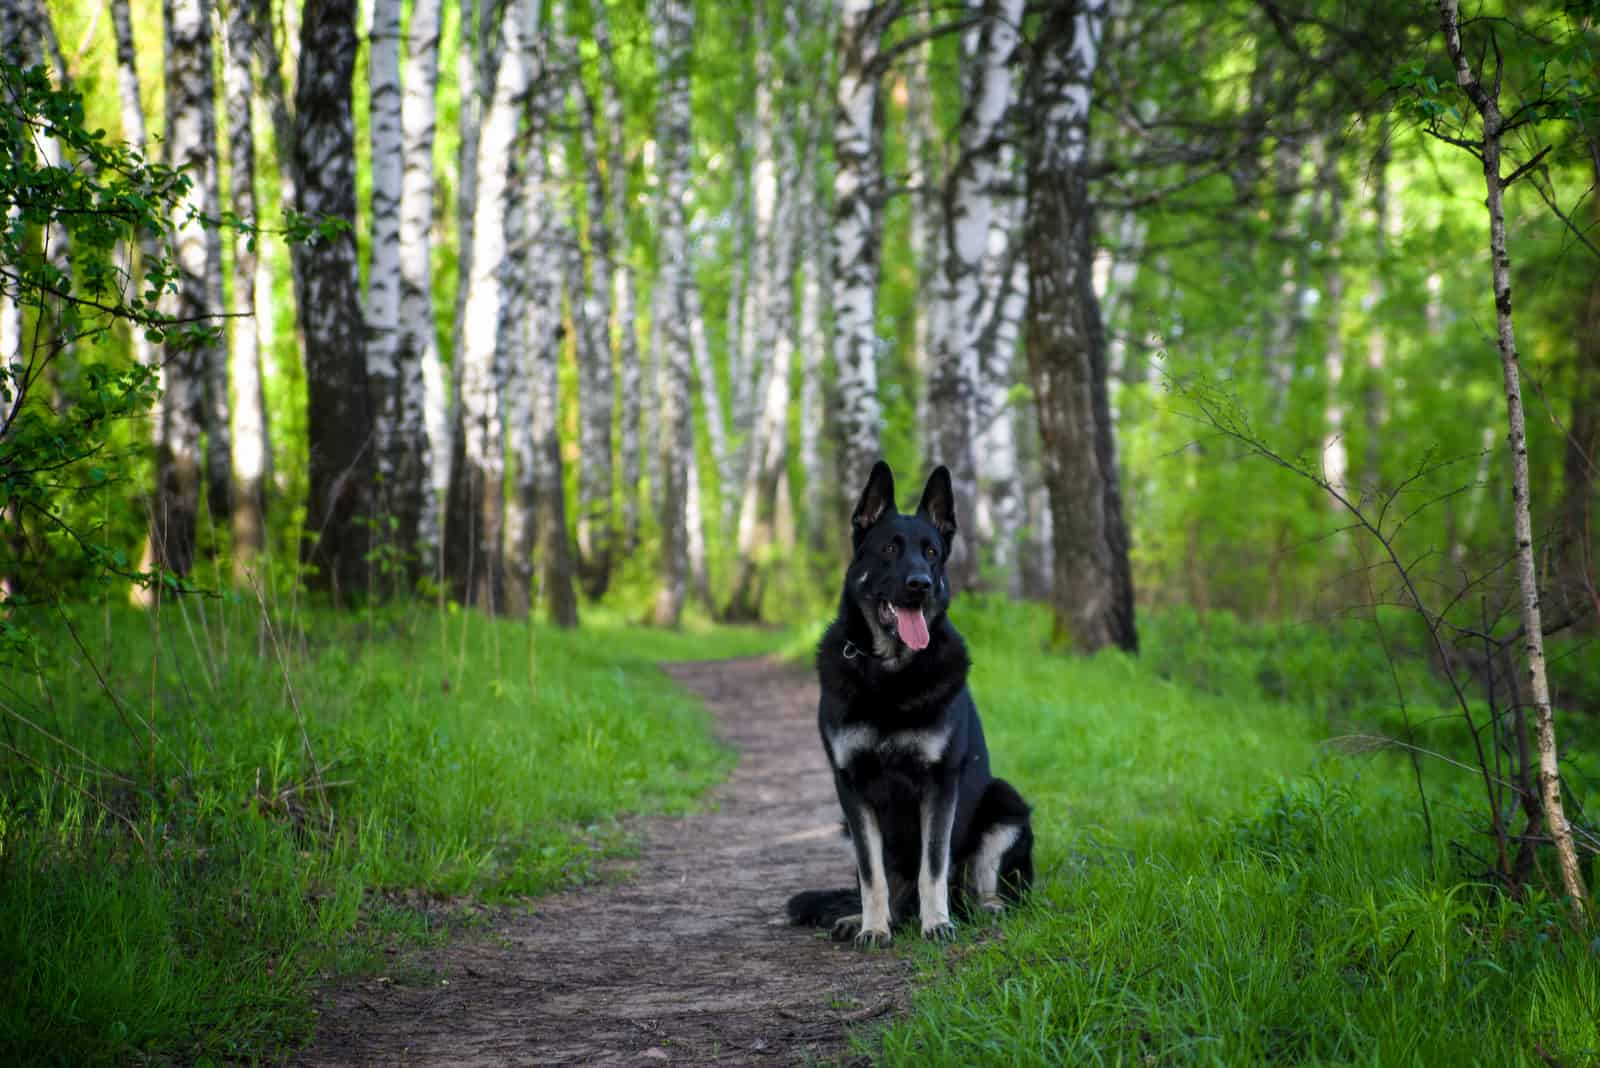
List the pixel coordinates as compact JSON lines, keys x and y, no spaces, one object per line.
{"x":686,"y":962}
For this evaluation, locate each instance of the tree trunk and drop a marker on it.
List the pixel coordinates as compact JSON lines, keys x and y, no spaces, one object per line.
{"x":596,"y":380}
{"x":556,"y":573}
{"x":133,"y":132}
{"x":1377,"y":347}
{"x":858,"y":225}
{"x":673,"y":35}
{"x":340,"y":504}
{"x":1092,"y":594}
{"x":705,"y":370}
{"x":422,"y":452}
{"x":527,"y":281}
{"x":187,"y":374}
{"x":252,"y":450}
{"x":1002,"y":507}
{"x":627,"y":328}
{"x":1488,"y":106}
{"x":813,"y":348}
{"x":963,"y":287}
{"x":1335,"y":453}
{"x":925,"y":234}
{"x":392,"y":450}
{"x":475,"y":516}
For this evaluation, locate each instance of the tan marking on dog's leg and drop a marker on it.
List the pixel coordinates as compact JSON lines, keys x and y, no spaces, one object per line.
{"x":986,"y":864}
{"x":933,"y":891}
{"x":874,"y":884}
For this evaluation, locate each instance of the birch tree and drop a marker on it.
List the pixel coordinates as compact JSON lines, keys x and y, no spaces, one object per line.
{"x":596,"y":377}
{"x":629,"y":370}
{"x":1092,"y":589}
{"x":542,"y":256}
{"x":131,"y":111}
{"x":391,"y":448}
{"x":962,"y":285}
{"x":252,"y":450}
{"x":673,"y":36}
{"x":339,"y":429}
{"x":858,"y":224}
{"x":475,"y":515}
{"x":188,"y":377}
{"x":422,"y":446}
{"x":1485,"y":101}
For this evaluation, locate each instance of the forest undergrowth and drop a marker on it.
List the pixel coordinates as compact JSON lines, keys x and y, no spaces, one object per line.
{"x":1232,"y":871}
{"x":261,"y":809}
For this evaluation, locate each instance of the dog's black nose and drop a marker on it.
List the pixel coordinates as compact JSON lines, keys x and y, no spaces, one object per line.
{"x":920,"y":584}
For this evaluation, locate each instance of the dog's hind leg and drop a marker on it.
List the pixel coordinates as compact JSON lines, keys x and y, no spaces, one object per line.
{"x":1002,"y":865}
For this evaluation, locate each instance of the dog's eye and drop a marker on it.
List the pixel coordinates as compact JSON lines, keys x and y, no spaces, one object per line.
{"x":890,"y":548}
{"x":930,"y":552}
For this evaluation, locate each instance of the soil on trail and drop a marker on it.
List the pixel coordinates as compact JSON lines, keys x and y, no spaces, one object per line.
{"x":688,"y":960}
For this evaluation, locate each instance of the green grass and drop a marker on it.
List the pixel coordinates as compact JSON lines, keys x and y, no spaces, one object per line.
{"x":1218,"y":886}
{"x":458,"y":757}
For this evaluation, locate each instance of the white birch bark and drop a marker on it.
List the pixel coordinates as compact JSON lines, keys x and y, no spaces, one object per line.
{"x":925,"y":229}
{"x":1377,"y":356}
{"x":252,"y":451}
{"x":1002,"y":507}
{"x":475,"y":516}
{"x":1488,"y":106}
{"x":814,"y":342}
{"x":858,"y":195}
{"x":769,"y":437}
{"x":131,"y":111}
{"x":622,"y":282}
{"x":190,"y":141}
{"x":1335,"y":448}
{"x":391,"y":450}
{"x":422,"y":433}
{"x":479,"y":52}
{"x":751,"y":371}
{"x":740,"y":270}
{"x":710,"y":398}
{"x":527,"y":280}
{"x":962,"y":285}
{"x":673,"y":37}
{"x":699,"y":566}
{"x":596,"y":373}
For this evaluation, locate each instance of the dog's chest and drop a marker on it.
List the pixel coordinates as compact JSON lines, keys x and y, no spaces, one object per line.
{"x":924,"y":745}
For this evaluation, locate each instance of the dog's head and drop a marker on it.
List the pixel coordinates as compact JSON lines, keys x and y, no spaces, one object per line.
{"x":897,"y":578}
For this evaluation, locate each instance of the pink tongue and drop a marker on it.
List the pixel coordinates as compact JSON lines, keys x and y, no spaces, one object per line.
{"x":913,"y":627}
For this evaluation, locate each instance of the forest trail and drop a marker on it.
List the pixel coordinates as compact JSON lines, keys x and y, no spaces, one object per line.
{"x":688,"y":961}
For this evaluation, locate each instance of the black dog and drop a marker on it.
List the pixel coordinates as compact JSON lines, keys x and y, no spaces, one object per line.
{"x":903,"y":737}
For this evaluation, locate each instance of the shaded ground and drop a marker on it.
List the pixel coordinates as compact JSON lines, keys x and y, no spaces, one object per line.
{"x":688,"y":961}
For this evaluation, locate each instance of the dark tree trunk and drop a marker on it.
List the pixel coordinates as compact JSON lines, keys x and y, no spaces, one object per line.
{"x":339,"y":424}
{"x":1092,"y":594}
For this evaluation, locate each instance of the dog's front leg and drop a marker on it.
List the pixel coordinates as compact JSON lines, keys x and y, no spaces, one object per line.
{"x":933,"y":878}
{"x":867,"y":838}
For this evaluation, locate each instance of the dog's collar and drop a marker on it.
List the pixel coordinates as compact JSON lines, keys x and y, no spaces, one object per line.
{"x":852,"y":650}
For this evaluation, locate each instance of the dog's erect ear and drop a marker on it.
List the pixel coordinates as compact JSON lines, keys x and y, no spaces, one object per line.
{"x":939,"y":505}
{"x":877,"y":501}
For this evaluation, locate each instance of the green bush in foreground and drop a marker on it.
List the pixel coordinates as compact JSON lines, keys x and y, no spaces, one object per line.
{"x":1219,"y":888}
{"x":459,"y":756}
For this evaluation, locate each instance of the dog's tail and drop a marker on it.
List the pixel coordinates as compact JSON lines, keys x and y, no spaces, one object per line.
{"x":823,"y":908}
